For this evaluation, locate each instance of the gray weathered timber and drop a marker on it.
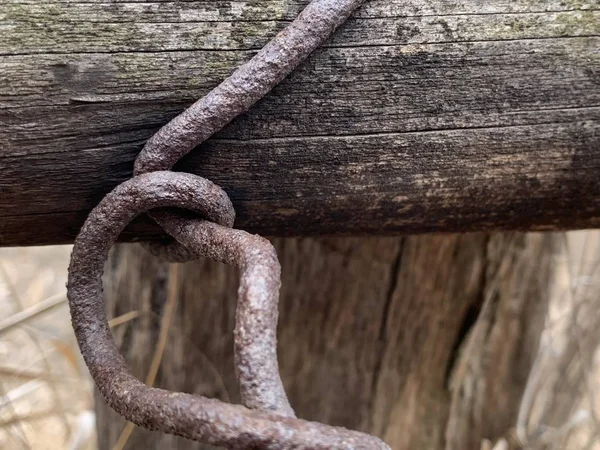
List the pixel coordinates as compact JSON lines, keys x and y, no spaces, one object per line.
{"x":425,"y":341}
{"x":417,"y":116}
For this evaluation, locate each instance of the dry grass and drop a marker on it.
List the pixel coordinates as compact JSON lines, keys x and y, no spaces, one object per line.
{"x":46,"y":399}
{"x":46,"y":396}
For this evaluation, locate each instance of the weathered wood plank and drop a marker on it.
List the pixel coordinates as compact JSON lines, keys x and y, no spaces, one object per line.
{"x":425,"y":341}
{"x":430,"y":116}
{"x":106,"y":28}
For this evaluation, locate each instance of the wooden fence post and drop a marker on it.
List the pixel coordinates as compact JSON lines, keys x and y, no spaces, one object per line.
{"x":426,"y":341}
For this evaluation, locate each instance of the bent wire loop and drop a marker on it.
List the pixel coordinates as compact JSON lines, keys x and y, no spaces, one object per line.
{"x":266,"y":420}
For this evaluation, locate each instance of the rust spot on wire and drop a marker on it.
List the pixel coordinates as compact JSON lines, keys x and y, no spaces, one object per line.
{"x":267,"y":420}
{"x":186,"y":415}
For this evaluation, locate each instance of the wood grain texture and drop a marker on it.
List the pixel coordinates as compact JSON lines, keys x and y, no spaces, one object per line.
{"x":425,"y":341}
{"x":416,"y":116}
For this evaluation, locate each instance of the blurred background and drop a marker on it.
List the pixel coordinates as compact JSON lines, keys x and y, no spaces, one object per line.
{"x":46,"y":396}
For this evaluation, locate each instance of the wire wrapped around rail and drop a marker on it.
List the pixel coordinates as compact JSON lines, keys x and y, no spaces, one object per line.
{"x":266,"y":419}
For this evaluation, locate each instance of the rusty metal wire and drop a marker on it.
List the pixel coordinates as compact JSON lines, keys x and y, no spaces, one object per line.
{"x":266,"y":420}
{"x":186,"y":415}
